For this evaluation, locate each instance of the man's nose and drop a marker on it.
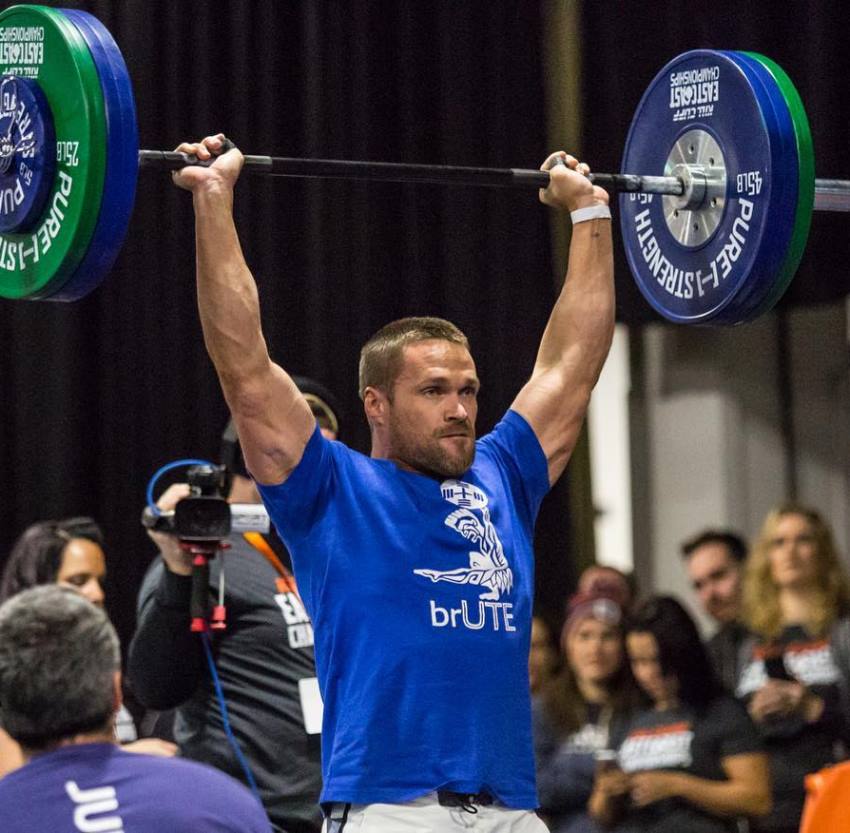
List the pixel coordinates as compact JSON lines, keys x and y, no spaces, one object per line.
{"x":455,"y":411}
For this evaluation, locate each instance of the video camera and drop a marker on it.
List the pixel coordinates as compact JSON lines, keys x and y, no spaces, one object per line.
{"x":205,"y":514}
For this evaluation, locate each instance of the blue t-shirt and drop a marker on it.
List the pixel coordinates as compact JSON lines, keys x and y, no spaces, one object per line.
{"x":420,"y":593}
{"x":98,"y":786}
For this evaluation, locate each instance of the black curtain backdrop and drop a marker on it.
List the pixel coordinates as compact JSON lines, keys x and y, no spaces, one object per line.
{"x":96,"y":395}
{"x":627,"y":42}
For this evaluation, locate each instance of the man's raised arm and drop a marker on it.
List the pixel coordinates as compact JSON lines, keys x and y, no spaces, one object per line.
{"x":579,"y":332}
{"x":273,"y":420}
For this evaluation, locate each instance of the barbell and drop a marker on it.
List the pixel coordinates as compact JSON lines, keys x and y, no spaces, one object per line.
{"x":713,"y":232}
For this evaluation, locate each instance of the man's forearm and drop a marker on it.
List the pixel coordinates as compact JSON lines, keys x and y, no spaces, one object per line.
{"x":724,"y":798}
{"x":165,"y":661}
{"x":227,"y":295}
{"x":580,"y":328}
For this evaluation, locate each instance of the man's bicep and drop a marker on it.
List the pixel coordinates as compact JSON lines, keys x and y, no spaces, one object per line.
{"x":555,"y":410}
{"x":273,"y":422}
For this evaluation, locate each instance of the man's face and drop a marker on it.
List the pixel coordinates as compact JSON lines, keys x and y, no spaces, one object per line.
{"x":716,"y":578}
{"x":431,"y":415}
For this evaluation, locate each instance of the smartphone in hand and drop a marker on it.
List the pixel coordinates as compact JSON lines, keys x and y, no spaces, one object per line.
{"x":775,"y":668}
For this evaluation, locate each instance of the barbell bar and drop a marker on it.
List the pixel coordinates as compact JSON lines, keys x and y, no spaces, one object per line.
{"x":830,"y":194}
{"x":713,"y":235}
{"x":300,"y":168}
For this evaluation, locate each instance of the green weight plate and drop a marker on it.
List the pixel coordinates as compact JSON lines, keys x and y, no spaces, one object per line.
{"x":39,"y":43}
{"x":806,"y":180}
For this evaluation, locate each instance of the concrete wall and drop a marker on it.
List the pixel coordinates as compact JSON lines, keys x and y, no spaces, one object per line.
{"x":723,"y":425}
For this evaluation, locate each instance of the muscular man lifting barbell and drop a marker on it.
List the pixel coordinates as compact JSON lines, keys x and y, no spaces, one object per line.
{"x":416,"y":564}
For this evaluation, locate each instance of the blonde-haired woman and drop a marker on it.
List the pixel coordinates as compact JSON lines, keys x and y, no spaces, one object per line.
{"x":796,"y":667}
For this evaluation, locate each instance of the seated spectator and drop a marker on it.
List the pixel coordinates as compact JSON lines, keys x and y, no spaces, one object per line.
{"x":542,"y":655}
{"x":795,"y":666}
{"x":579,"y":708}
{"x":715,"y":561}
{"x":693,"y":761}
{"x":60,"y":688}
{"x":67,"y":552}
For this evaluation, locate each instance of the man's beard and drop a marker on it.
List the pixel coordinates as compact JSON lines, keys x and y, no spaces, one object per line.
{"x":431,"y":458}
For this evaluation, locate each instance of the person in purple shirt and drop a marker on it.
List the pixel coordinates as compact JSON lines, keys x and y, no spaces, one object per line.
{"x":60,"y":687}
{"x":416,"y":563}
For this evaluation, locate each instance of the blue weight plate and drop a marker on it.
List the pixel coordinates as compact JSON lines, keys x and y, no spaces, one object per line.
{"x":122,"y":160}
{"x":806,"y":176}
{"x":783,"y":205}
{"x":767,"y":264}
{"x":27,"y":154}
{"x":702,"y":90}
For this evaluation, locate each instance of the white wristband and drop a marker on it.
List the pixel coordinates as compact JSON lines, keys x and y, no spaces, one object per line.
{"x":591,"y":212}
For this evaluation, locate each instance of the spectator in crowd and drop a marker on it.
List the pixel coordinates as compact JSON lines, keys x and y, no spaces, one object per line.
{"x":60,"y":687}
{"x":796,"y":664}
{"x":264,"y":657}
{"x":579,"y":709}
{"x":68,"y":552}
{"x":714,"y":560}
{"x":691,"y":762}
{"x":542,"y":655}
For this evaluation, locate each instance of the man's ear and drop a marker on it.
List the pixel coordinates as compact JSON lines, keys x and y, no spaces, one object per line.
{"x":375,"y":405}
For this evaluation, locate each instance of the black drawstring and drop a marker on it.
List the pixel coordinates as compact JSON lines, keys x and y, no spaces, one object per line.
{"x":466,"y":804}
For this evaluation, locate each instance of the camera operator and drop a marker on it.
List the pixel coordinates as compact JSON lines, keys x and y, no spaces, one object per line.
{"x":264,"y":655}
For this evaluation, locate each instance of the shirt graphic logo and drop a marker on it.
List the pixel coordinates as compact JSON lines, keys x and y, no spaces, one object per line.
{"x":299,"y":629}
{"x":488,"y":566}
{"x":94,"y":802}
{"x":809,"y":662}
{"x":661,"y":747}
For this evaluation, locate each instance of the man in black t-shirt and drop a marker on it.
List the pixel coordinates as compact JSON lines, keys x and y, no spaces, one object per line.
{"x":714,"y":560}
{"x":264,"y":657}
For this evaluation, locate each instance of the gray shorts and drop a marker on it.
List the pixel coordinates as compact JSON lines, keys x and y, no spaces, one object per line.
{"x":426,"y":815}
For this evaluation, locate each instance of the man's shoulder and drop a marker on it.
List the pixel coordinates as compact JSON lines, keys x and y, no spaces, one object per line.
{"x":730,"y":635}
{"x":155,"y":766}
{"x":171,"y":779}
{"x":112,"y":762}
{"x":511,"y":453}
{"x":74,"y":776}
{"x":212,"y":791}
{"x":322,"y":453}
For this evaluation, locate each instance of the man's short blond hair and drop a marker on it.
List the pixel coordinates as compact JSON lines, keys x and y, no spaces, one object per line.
{"x":381,"y":356}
